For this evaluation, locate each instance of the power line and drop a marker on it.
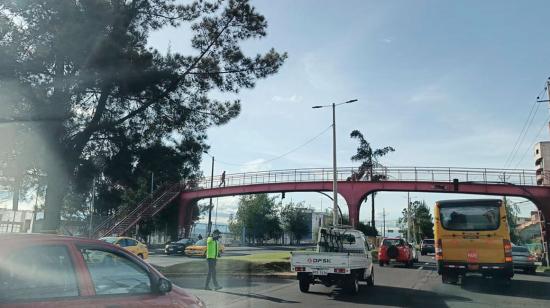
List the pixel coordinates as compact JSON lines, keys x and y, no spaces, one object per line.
{"x":524,"y":130}
{"x":276,"y":157}
{"x":533,"y":142}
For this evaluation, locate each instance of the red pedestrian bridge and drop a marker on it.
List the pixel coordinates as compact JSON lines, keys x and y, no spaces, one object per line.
{"x":481,"y":181}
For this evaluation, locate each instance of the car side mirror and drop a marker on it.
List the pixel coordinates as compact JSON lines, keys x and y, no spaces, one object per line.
{"x":164,"y":285}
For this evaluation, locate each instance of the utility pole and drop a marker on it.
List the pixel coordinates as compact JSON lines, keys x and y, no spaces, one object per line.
{"x":408,"y":216}
{"x":335,"y":175}
{"x":152,"y":180}
{"x":384,"y":220}
{"x":92,"y":208}
{"x":209,"y":227}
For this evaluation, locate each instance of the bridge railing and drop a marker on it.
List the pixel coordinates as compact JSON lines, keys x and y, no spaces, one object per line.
{"x":422,"y":174}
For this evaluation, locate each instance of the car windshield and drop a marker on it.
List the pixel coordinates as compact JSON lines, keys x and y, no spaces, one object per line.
{"x":110,"y":240}
{"x":200,"y":243}
{"x":294,"y":132}
{"x":519,"y":249}
{"x":470,"y":218}
{"x":391,"y":242}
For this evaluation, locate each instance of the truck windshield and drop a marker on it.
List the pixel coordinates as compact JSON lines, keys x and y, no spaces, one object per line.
{"x":470,"y":218}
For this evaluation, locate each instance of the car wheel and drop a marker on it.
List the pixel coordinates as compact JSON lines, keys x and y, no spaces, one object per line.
{"x":140,"y":255}
{"x":304,"y":285}
{"x":370,"y":279}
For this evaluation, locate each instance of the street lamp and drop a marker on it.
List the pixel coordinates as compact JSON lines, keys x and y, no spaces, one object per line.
{"x":335,"y":176}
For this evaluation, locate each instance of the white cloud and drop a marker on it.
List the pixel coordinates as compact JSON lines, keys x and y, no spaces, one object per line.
{"x":293,"y":98}
{"x":387,"y":40}
{"x":429,"y":94}
{"x":256,"y":165}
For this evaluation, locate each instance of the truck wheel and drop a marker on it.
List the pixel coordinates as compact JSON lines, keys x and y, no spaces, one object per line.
{"x":370,"y":279}
{"x":353,"y":285}
{"x":304,"y":285}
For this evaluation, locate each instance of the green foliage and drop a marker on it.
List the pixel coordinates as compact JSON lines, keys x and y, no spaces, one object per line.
{"x":512,"y":212}
{"x":295,"y":221}
{"x":91,"y":91}
{"x":421,"y":221}
{"x":368,"y":157}
{"x":258,"y":215}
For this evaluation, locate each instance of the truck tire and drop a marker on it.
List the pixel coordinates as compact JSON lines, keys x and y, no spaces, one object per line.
{"x":370,"y":279}
{"x":353,"y":284}
{"x":304,"y":285}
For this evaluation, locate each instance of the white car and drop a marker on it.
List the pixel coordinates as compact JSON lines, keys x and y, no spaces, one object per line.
{"x":343,"y":257}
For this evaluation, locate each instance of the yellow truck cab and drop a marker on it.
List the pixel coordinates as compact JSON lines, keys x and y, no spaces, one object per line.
{"x":472,"y":236}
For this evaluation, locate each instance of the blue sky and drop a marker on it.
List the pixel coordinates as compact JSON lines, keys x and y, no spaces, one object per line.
{"x":447,"y":83}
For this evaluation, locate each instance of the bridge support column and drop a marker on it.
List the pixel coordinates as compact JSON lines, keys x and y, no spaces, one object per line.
{"x":354,"y":200}
{"x":185,"y":216}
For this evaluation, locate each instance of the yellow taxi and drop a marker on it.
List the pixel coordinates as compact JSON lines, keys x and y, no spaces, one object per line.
{"x":199,"y":249}
{"x":132,"y":245}
{"x":472,"y":236}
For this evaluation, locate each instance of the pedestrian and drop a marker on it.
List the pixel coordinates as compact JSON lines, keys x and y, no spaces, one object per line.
{"x":212,"y":253}
{"x":222,"y":181}
{"x":200,"y":237}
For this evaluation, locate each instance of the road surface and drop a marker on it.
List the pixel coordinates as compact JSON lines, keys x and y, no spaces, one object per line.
{"x":160,"y":259}
{"x":395,"y":286}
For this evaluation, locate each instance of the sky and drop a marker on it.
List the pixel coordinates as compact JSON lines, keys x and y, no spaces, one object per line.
{"x":446,"y":83}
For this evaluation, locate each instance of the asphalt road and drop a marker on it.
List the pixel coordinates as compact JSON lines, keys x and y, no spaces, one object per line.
{"x":161,"y":259}
{"x":395,"y":286}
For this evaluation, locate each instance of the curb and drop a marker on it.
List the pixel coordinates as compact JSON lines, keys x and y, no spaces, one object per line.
{"x":239,"y":275}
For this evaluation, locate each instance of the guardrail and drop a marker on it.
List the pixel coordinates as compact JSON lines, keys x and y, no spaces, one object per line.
{"x":421,"y":174}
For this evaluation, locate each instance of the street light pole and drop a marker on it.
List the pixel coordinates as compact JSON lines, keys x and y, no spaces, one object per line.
{"x":209,"y":228}
{"x":335,"y":176}
{"x":334,"y":171}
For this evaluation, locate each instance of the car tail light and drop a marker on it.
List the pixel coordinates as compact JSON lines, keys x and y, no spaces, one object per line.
{"x":439,"y":250}
{"x":300,"y":269}
{"x":507,"y":250}
{"x":340,"y":270}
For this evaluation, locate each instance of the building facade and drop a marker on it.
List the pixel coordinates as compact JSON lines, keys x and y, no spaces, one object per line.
{"x":15,"y":221}
{"x":542,"y":159}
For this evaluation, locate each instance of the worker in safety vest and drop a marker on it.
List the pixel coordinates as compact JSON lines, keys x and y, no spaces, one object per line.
{"x":212,"y":253}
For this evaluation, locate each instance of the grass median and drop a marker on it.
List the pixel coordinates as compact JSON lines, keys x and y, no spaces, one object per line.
{"x":262,"y":263}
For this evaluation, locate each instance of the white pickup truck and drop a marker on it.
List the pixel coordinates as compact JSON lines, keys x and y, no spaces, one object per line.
{"x":343,"y":258}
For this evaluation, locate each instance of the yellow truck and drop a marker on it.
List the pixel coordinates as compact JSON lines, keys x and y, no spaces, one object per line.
{"x":472,"y":236}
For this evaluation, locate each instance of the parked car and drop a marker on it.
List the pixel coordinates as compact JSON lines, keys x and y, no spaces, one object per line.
{"x":178,"y":247}
{"x":395,"y":250}
{"x":132,"y":245}
{"x":199,"y":249}
{"x":522,"y":259}
{"x":59,"y":271}
{"x":343,"y":257}
{"x":427,"y":246}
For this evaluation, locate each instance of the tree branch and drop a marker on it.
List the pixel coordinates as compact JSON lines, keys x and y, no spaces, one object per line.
{"x":176,"y":81}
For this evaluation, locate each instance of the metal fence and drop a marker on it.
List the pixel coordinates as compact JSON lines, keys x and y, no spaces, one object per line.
{"x":422,"y":174}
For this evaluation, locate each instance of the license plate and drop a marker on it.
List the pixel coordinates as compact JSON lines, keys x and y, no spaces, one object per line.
{"x":319,"y":272}
{"x":393,"y":260}
{"x":473,"y":267}
{"x":472,"y":256}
